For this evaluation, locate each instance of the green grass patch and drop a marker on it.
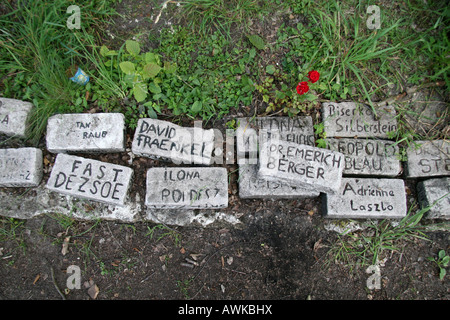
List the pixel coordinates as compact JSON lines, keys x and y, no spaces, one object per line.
{"x":37,"y":49}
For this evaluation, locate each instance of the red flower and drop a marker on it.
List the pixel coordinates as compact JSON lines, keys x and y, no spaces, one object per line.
{"x":313,"y":76}
{"x":302,"y":87}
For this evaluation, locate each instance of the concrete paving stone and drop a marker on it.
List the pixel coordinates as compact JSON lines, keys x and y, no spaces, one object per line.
{"x":428,"y":159}
{"x":352,"y":120}
{"x":317,"y":169}
{"x":297,"y":129}
{"x":187,"y":187}
{"x":253,"y":187}
{"x":368,"y":157}
{"x":20,"y":167}
{"x":90,"y":179}
{"x":13,"y":116}
{"x":164,"y":140}
{"x":86,"y":132}
{"x":435,"y":193}
{"x":367,"y":198}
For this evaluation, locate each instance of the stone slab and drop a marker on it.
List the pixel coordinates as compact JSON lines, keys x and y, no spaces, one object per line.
{"x":193,"y":217}
{"x":20,"y":167}
{"x":86,"y":132}
{"x":253,"y":187}
{"x":436,"y":194}
{"x":43,"y":201}
{"x":186,"y":187}
{"x":367,"y":198}
{"x":428,"y":159}
{"x":13,"y":116}
{"x":164,"y":140}
{"x":309,"y":167}
{"x":90,"y":179}
{"x":368,"y":157}
{"x":351,"y":120}
{"x":297,"y":129}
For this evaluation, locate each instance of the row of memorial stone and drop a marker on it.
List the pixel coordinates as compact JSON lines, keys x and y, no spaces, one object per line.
{"x":289,"y":164}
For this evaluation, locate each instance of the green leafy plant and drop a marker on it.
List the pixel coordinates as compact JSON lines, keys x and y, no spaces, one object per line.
{"x":319,"y":130}
{"x":442,"y":262}
{"x":140,"y":70}
{"x":210,"y":77}
{"x":278,"y":91}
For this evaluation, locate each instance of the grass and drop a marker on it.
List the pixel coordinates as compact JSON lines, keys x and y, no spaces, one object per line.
{"x":11,"y":229}
{"x":223,"y":16}
{"x":162,"y":231}
{"x":367,"y":247}
{"x":37,"y":50}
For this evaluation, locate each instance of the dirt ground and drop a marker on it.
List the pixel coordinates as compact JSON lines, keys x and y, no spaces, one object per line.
{"x":279,"y":253}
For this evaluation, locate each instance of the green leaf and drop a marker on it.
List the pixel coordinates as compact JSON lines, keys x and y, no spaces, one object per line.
{"x":150,"y":70}
{"x":270,"y":69}
{"x":196,"y":106}
{"x":127,"y":67}
{"x":151,"y":57}
{"x":133,"y":47}
{"x":257,"y":41}
{"x":154,"y":88}
{"x":104,"y":51}
{"x":151,"y":113}
{"x":139,"y":91}
{"x":442,"y":273}
{"x":310,"y":97}
{"x":170,"y":67}
{"x":279,"y":95}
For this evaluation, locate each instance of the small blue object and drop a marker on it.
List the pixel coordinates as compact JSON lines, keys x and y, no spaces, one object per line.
{"x":80,"y":77}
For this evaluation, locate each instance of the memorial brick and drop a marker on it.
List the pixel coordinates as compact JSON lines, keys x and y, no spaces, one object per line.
{"x":90,"y":179}
{"x":367,"y":198}
{"x":253,"y":187}
{"x":351,"y":120}
{"x":435,"y":193}
{"x":86,"y":132}
{"x":299,"y":130}
{"x":13,"y":116}
{"x":367,"y":157}
{"x":186,"y":187}
{"x":164,"y":140}
{"x":428,"y":159}
{"x":20,"y":167}
{"x":301,"y":165}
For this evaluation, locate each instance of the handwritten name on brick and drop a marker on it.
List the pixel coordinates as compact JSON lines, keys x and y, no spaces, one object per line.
{"x":428,"y":159}
{"x":184,"y":187}
{"x":367,"y":198}
{"x":367,"y":157}
{"x":86,"y":132}
{"x":253,"y":187}
{"x":162,"y":139}
{"x":90,"y":179}
{"x":20,"y":167}
{"x":14,"y":116}
{"x":297,"y":129}
{"x":348,"y":119}
{"x":302,"y":165}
